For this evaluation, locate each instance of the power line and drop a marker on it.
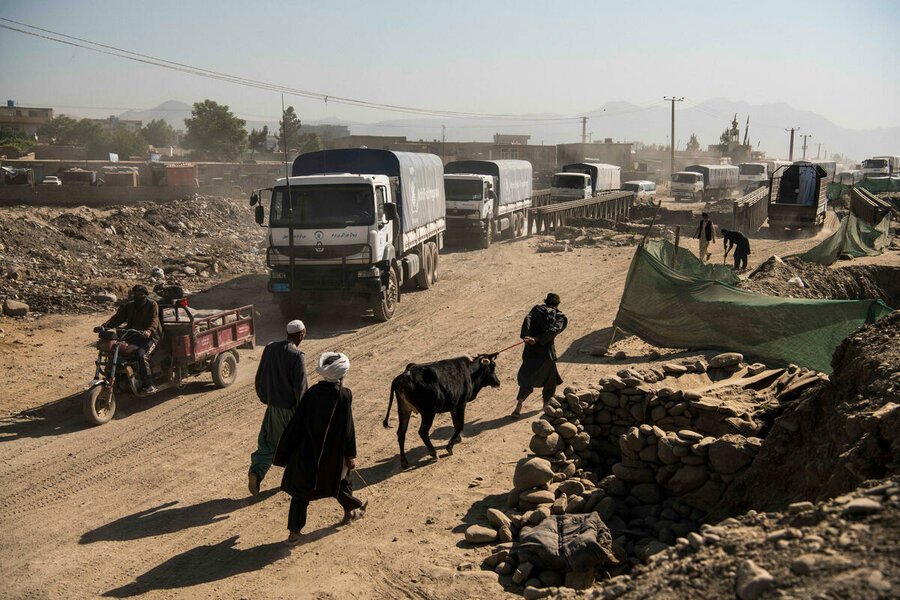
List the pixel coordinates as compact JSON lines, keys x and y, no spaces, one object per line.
{"x":69,"y":40}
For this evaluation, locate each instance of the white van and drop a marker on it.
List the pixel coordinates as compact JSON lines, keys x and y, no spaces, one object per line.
{"x":641,"y":188}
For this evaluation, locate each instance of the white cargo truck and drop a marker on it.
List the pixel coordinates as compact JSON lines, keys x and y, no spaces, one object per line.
{"x":486,"y":198}
{"x":584,"y":180}
{"x":753,"y":175}
{"x":881,"y":166}
{"x":354,"y":225}
{"x":708,"y":182}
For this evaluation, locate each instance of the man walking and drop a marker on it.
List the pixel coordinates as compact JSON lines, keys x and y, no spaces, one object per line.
{"x":539,"y":330}
{"x":280,"y":383}
{"x":142,"y":315}
{"x":318,"y":447}
{"x":741,"y":245}
{"x":706,"y":233}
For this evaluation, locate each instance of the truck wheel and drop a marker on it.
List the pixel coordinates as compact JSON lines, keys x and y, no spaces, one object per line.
{"x":424,"y":277}
{"x":434,"y":261}
{"x":386,"y":305}
{"x":99,"y":404}
{"x":485,"y":240}
{"x":224,"y":370}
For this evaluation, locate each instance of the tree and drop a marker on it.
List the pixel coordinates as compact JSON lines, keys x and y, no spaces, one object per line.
{"x":693,"y":144}
{"x":57,"y":130}
{"x":159,"y":133}
{"x":725,"y":137}
{"x":289,"y":130}
{"x":126,"y":143}
{"x":91,"y":135}
{"x":19,"y":140}
{"x":309,"y":142}
{"x":258,"y":139}
{"x":214,"y":132}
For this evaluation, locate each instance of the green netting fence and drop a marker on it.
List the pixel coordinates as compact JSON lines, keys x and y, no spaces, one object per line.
{"x":877,"y":185}
{"x":688,"y":264}
{"x":854,"y":237}
{"x":674,"y":309}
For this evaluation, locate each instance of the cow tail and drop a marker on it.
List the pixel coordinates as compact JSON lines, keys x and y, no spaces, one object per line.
{"x":386,"y":422}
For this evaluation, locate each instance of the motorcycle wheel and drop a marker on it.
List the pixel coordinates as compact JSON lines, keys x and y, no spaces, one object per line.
{"x":99,"y":404}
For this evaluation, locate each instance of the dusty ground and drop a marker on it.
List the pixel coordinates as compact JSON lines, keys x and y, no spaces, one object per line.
{"x":154,"y":504}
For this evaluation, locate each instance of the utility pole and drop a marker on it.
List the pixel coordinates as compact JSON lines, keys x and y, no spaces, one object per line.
{"x":584,"y":130}
{"x":819,"y":151}
{"x":804,"y":136}
{"x":791,"y":152}
{"x":673,"y":100}
{"x":443,"y":140}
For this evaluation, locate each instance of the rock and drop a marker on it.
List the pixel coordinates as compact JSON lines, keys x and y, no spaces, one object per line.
{"x":805,"y":564}
{"x":532,"y":472}
{"x":687,"y":478}
{"x":580,"y":580}
{"x":726,"y":359}
{"x":688,"y":435}
{"x":620,"y":355}
{"x":755,"y":369}
{"x":861,"y":506}
{"x":581,"y":441}
{"x":648,"y":550}
{"x":695,"y":540}
{"x":105,"y":297}
{"x":752,"y":581}
{"x":14,"y":308}
{"x":535,"y":593}
{"x":523,"y":572}
{"x":559,"y":505}
{"x":188,"y":270}
{"x":498,"y":518}
{"x":647,"y":493}
{"x":541,"y":427}
{"x":609,"y":399}
{"x":478,"y":534}
{"x":567,"y":430}
{"x":545,"y":446}
{"x":633,"y":474}
{"x":674,"y":368}
{"x":570,"y":487}
{"x":506,"y":567}
{"x":700,"y":365}
{"x":798,"y":507}
{"x":504,"y":534}
{"x":539,"y":514}
{"x":876,"y":581}
{"x":729,"y":454}
{"x":537,"y":496}
{"x":649,"y":454}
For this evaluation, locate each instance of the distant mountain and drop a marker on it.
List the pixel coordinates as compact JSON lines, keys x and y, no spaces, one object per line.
{"x":622,"y":121}
{"x":173,"y":111}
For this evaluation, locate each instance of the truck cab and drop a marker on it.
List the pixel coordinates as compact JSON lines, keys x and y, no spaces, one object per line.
{"x":470,"y":204}
{"x":335,"y":224}
{"x":753,"y":175}
{"x":687,"y":184}
{"x":570,"y":186}
{"x":879,"y":166}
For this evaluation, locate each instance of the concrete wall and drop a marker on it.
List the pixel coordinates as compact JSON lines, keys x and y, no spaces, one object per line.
{"x":96,"y":197}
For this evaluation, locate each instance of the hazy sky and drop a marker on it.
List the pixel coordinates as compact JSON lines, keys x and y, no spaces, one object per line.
{"x":839,"y":59}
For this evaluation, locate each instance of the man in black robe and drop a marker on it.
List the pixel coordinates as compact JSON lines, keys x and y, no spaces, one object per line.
{"x":318,"y":447}
{"x":539,"y":330}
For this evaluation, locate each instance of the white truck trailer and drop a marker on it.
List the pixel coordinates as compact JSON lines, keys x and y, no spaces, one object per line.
{"x":354,"y":225}
{"x":486,"y":198}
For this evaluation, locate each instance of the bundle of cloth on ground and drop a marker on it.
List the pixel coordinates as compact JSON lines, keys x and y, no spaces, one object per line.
{"x":675,"y":308}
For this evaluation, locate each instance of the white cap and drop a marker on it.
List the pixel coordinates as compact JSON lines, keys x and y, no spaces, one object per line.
{"x":295,"y":326}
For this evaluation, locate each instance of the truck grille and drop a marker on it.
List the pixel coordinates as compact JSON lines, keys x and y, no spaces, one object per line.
{"x":322,"y":252}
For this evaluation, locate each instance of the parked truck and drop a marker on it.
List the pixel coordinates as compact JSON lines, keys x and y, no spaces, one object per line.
{"x":584,"y":180}
{"x":797,"y":197}
{"x":486,"y":198}
{"x":753,"y":175}
{"x":881,"y":166}
{"x":354,"y":225}
{"x":705,"y":182}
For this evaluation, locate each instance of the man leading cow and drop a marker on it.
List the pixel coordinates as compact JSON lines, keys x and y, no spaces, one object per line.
{"x":539,"y":330}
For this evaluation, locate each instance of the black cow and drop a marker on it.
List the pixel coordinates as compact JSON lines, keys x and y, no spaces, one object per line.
{"x":439,"y":387}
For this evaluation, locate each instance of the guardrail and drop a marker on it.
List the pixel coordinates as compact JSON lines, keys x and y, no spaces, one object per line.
{"x":749,"y":212}
{"x":540,"y":197}
{"x":611,"y":206}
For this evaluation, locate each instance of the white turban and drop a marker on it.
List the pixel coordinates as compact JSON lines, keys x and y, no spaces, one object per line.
{"x":337,"y":367}
{"x":295,"y":326}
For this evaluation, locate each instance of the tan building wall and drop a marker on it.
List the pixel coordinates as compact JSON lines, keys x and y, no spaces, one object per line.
{"x":24,"y":118}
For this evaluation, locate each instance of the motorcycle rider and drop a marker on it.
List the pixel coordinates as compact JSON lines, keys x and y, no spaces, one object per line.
{"x":142,"y":314}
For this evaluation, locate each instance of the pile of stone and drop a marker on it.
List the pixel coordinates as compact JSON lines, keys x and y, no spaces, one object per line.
{"x":671,"y":454}
{"x":84,"y":259}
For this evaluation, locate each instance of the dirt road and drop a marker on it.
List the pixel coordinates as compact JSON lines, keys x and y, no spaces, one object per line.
{"x":154,"y":504}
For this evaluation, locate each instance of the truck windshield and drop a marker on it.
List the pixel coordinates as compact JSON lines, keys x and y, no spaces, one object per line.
{"x":631,"y":187}
{"x":752,"y":169}
{"x":685,"y":177}
{"x":874,"y":163}
{"x":462,"y":189}
{"x":324,"y":206}
{"x":568,"y":181}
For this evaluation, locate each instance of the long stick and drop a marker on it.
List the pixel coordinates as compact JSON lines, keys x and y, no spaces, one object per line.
{"x":511,"y":347}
